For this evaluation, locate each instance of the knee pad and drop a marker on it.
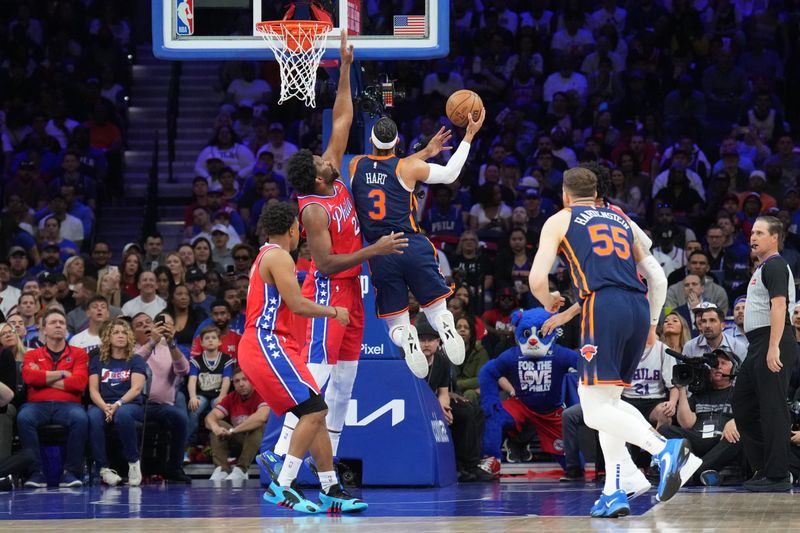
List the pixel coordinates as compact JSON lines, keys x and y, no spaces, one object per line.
{"x":314,"y":404}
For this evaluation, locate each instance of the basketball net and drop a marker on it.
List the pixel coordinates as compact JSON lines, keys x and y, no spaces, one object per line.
{"x":298,"y":46}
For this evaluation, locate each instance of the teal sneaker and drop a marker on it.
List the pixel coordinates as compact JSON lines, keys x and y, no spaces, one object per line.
{"x":290,"y":497}
{"x":338,"y":500}
{"x":611,"y":506}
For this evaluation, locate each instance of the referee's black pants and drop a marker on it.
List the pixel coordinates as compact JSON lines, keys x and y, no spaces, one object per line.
{"x":760,"y":404}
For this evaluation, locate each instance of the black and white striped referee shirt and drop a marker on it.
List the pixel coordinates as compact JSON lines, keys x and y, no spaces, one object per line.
{"x":772,"y":278}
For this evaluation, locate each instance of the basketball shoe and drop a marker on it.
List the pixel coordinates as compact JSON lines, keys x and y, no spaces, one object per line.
{"x":611,"y":506}
{"x":415,"y":359}
{"x":338,"y":500}
{"x":452,"y":342}
{"x":671,"y":462}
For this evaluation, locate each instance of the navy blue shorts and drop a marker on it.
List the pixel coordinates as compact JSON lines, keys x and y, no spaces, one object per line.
{"x":614,"y":326}
{"x":416,"y":269}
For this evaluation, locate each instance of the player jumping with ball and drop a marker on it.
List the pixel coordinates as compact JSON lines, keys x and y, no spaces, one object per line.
{"x":383,"y":189}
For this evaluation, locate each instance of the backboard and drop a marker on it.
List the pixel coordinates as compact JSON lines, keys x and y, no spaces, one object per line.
{"x":225,"y":29}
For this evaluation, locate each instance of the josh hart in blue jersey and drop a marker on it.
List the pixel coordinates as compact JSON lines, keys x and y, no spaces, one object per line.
{"x":383,"y":191}
{"x":600,"y":248}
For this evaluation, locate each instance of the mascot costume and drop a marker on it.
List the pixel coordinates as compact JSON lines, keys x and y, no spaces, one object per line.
{"x":535,"y":369}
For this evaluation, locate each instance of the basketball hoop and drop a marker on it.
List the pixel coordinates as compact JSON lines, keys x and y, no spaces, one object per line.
{"x":298,"y":46}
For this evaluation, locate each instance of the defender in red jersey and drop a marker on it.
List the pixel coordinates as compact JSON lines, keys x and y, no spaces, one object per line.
{"x":334,"y":237}
{"x":269,"y":358}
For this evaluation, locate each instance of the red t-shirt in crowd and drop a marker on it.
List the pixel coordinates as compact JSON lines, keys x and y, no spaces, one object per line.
{"x":229,"y":344}
{"x":497,"y":320}
{"x":237,"y":409}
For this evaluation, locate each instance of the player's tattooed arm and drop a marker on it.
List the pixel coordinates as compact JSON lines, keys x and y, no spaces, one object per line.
{"x":342,"y":108}
{"x":315,"y":222}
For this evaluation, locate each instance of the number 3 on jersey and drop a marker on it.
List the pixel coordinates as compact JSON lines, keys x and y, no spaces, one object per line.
{"x":609,"y":239}
{"x":378,"y":198}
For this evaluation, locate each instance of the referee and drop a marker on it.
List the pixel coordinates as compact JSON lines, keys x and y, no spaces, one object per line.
{"x":759,"y":397}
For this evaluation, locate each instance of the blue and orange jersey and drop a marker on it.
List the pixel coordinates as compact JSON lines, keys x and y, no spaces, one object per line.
{"x":598,"y":247}
{"x":383,"y":202}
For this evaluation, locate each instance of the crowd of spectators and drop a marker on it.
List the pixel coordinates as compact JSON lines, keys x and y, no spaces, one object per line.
{"x":686,"y":103}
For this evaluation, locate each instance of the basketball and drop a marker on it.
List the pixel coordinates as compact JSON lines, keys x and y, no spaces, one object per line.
{"x":461,"y":104}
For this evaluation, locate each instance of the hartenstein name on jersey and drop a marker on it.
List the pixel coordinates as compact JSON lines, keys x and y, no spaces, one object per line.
{"x":587,"y":216}
{"x":341,"y":213}
{"x":375,"y":178}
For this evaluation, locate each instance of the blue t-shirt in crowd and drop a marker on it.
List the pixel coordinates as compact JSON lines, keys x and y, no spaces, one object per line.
{"x":115,"y":376}
{"x":537,"y":381}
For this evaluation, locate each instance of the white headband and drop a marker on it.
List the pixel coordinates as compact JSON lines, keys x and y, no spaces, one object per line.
{"x":382,"y":145}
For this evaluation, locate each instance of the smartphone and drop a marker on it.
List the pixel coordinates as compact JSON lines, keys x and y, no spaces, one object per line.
{"x":229,"y":269}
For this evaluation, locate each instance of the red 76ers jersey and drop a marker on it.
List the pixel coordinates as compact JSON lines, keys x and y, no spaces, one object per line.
{"x":343,"y":224}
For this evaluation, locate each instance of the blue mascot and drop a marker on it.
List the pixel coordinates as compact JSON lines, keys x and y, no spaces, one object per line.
{"x":532,"y":373}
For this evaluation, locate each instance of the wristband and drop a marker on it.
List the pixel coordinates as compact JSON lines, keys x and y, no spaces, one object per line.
{"x":62,"y":374}
{"x":230,"y":430}
{"x":119,"y":402}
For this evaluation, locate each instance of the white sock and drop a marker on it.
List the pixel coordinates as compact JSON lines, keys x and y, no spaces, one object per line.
{"x":289,"y":423}
{"x":289,"y":470}
{"x":396,"y":331}
{"x":614,"y":452}
{"x":433,"y":311}
{"x":327,"y":480}
{"x":604,"y":411}
{"x":337,"y":396}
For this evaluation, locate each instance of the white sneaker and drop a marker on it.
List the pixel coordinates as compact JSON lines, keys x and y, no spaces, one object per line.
{"x":415,"y":359}
{"x":134,"y":474}
{"x":689,"y":468}
{"x":218,"y":475}
{"x":110,"y":477}
{"x":452,"y":342}
{"x":237,"y":474}
{"x":635,"y":484}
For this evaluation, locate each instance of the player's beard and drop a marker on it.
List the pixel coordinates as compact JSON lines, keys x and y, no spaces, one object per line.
{"x":334,"y":175}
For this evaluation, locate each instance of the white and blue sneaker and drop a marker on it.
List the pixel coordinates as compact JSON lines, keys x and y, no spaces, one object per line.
{"x":611,"y":506}
{"x":676,"y":466}
{"x":270,"y":463}
{"x":635,"y":484}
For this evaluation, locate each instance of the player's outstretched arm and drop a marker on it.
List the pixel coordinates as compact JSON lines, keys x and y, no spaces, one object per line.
{"x":414,"y":169}
{"x":342,"y":108}
{"x":315,"y":222}
{"x":435,"y":145}
{"x":552,"y":232}
{"x":281,"y":268}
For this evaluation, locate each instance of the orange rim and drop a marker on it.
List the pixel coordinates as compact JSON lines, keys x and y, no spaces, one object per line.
{"x":301,"y":30}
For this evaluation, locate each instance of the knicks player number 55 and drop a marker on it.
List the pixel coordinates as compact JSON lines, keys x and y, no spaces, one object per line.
{"x":609,"y":239}
{"x":378,"y":211}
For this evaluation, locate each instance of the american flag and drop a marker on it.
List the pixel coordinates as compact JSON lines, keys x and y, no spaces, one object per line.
{"x":409,"y":25}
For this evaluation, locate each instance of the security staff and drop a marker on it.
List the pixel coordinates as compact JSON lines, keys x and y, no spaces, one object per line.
{"x":759,"y":397}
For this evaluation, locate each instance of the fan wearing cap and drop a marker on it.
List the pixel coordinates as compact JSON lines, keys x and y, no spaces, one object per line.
{"x":383,"y":186}
{"x":70,"y":228}
{"x":706,"y":421}
{"x":465,"y":418}
{"x":757,"y":183}
{"x":50,"y":232}
{"x":18,"y":266}
{"x":51,"y":259}
{"x":280,"y":148}
{"x":217,"y":205}
{"x":28,"y":185}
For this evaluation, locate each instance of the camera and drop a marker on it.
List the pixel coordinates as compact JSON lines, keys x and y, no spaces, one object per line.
{"x":376,"y":99}
{"x":794,"y":413}
{"x":693,"y":372}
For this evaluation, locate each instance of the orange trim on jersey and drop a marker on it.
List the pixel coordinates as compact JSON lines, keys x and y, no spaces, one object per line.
{"x":389,"y":315}
{"x":570,"y":254}
{"x":380,"y":157}
{"x":435,"y":251}
{"x":353,"y":164}
{"x":437,"y":299}
{"x":599,"y":382}
{"x":412,"y":200}
{"x":591,"y":316}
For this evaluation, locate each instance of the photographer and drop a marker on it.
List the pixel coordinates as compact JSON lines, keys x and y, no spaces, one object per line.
{"x":710,"y":320}
{"x":794,"y":439}
{"x":706,"y":419}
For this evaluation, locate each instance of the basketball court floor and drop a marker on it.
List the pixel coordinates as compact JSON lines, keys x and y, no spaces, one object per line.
{"x":518,"y":505}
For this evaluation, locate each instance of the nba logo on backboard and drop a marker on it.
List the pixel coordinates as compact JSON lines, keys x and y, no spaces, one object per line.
{"x":185,"y":18}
